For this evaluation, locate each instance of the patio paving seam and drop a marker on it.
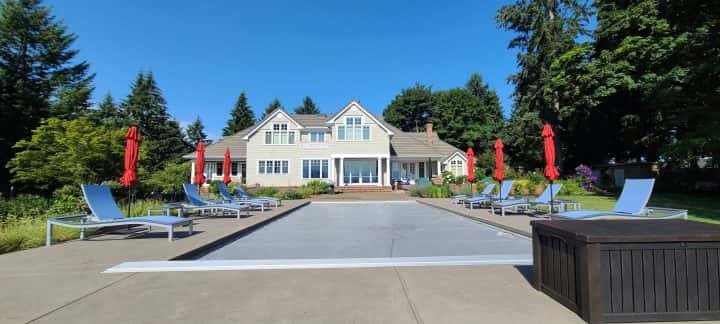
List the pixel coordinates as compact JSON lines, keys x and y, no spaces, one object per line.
{"x":413,"y":309}
{"x":479,"y":219}
{"x":80,"y":298}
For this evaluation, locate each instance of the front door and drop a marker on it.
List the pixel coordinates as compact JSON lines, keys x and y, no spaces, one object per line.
{"x":358,"y":172}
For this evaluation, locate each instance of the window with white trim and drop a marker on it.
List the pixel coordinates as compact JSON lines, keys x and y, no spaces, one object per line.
{"x":234,"y":167}
{"x":279,"y":135}
{"x":273,"y":166}
{"x":315,"y":169}
{"x":317,"y":137}
{"x":456,"y":167}
{"x":353,"y":130}
{"x":218,"y":168}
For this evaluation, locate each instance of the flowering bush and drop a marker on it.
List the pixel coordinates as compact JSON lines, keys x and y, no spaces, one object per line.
{"x":584,"y":175}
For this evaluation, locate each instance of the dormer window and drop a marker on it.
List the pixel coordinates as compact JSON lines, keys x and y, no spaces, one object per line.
{"x":353,"y":130}
{"x":279,"y":135}
{"x":317,"y":137}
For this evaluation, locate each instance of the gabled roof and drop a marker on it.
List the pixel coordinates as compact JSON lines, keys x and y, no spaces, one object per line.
{"x":269,"y":117}
{"x":415,"y":145}
{"x":460,"y":154}
{"x":235,"y":143}
{"x":312,"y":121}
{"x":356,"y":104}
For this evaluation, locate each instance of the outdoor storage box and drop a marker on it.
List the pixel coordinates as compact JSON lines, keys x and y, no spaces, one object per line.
{"x":630,"y":270}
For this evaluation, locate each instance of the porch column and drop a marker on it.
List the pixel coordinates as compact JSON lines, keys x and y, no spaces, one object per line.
{"x":387,"y":173}
{"x":379,"y":171}
{"x":342,"y":171}
{"x":331,"y":165}
{"x":192,"y":172}
{"x":439,"y":171}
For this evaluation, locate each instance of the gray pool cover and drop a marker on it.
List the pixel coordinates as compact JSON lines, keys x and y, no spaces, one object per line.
{"x":371,"y":230}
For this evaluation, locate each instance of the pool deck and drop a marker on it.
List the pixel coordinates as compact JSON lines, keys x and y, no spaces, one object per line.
{"x":65,"y":283}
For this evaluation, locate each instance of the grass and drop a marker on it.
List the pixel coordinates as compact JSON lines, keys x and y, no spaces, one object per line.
{"x":703,"y":208}
{"x":25,"y":232}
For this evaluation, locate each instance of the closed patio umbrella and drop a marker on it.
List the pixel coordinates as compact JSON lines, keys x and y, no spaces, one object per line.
{"x":470,"y":164}
{"x":499,"y":173}
{"x":132,"y":145}
{"x":551,"y":172}
{"x":226,"y":167}
{"x":200,"y":165}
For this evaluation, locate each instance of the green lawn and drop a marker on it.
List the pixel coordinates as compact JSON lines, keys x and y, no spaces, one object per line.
{"x":704,"y":208}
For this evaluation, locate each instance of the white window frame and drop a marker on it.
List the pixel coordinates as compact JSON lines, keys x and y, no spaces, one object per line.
{"x":270,"y":166}
{"x":361,"y":127}
{"x":456,"y":167}
{"x":309,"y":168}
{"x":320,"y":137}
{"x":278,"y":132}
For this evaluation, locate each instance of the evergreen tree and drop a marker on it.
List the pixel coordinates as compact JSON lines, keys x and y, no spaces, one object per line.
{"x":72,"y":100}
{"x":241,"y":116}
{"x":307,"y":108}
{"x":162,"y":137}
{"x":410,"y":109}
{"x":545,"y":30}
{"x":195,"y":132}
{"x":108,"y":113}
{"x":36,"y":62}
{"x":275,"y":104}
{"x":488,"y":97}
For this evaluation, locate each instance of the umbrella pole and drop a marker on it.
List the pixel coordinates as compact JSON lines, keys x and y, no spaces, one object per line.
{"x":551,"y":199}
{"x":129,"y":200}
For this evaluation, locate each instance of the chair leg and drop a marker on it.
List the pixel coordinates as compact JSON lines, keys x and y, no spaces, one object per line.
{"x":190,"y":228}
{"x":170,"y":233}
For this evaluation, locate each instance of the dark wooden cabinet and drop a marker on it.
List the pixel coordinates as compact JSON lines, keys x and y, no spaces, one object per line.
{"x":630,"y":271}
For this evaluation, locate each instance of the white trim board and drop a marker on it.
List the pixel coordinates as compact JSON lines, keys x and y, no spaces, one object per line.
{"x":229,"y":265}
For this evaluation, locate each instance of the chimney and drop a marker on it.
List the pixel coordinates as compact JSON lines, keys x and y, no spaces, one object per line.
{"x":429,"y":133}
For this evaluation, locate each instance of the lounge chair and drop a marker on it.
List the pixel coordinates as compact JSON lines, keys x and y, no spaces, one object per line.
{"x":502,"y":195}
{"x":631,"y":205}
{"x":105,"y":212}
{"x":199,"y":204}
{"x":229,"y":198}
{"x":459,"y":199}
{"x":517,"y":204}
{"x":242,"y":194}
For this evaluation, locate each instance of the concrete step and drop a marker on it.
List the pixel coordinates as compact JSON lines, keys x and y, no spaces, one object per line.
{"x":363,"y":189}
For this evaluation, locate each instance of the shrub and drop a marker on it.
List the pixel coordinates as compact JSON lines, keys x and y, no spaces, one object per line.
{"x":460,"y":179}
{"x":448,"y":177}
{"x":290,"y":195}
{"x":584,"y":175}
{"x":430,"y":191}
{"x":571,"y":187}
{"x":315,"y":187}
{"x":266,"y":192}
{"x":169,"y":179}
{"x":213,"y":187}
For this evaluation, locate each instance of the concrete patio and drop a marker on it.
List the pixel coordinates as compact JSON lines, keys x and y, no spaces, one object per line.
{"x":65,"y":283}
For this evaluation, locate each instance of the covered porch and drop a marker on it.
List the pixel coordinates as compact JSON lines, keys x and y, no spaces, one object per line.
{"x":409,"y":169}
{"x":214,"y":170}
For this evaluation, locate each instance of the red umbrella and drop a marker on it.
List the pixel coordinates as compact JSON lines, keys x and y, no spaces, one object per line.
{"x":226,"y":167}
{"x":200,"y":164}
{"x":471,"y":164}
{"x":551,"y":172}
{"x":499,"y":173}
{"x":131,"y":157}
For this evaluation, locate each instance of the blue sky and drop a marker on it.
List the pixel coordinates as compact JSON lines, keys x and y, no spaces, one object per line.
{"x":203,"y":53}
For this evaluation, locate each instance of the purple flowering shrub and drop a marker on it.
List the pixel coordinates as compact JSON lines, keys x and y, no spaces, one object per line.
{"x":584,"y":175}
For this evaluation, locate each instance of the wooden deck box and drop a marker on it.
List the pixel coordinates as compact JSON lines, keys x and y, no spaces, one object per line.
{"x":630,"y":270}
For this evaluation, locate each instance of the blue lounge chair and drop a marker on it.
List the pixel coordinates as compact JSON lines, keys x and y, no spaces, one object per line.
{"x":105,"y":212}
{"x":459,"y":199}
{"x":229,"y":198}
{"x":242,"y":194}
{"x":631,"y":205}
{"x":198,"y":203}
{"x":502,"y":195}
{"x":517,"y":204}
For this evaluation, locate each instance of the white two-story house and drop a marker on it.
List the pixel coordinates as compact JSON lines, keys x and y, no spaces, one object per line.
{"x":350,"y":148}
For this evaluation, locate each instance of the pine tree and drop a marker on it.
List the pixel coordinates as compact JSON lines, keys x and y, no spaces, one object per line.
{"x":275,"y":104}
{"x":146,"y":108}
{"x":241,"y":116}
{"x":307,"y":108}
{"x":36,"y":61}
{"x":195,"y":132}
{"x":72,"y":100}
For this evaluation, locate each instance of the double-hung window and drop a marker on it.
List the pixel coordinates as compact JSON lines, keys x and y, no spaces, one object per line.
{"x":456,"y":167}
{"x":273,"y":166}
{"x":218,"y":168}
{"x":280,"y":134}
{"x":234,"y":167}
{"x":315,"y":169}
{"x":353,"y":130}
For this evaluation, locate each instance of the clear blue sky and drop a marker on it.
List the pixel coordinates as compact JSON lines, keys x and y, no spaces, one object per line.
{"x":203,"y":53}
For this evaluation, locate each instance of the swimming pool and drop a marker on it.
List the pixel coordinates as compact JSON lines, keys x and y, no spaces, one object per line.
{"x":360,"y":234}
